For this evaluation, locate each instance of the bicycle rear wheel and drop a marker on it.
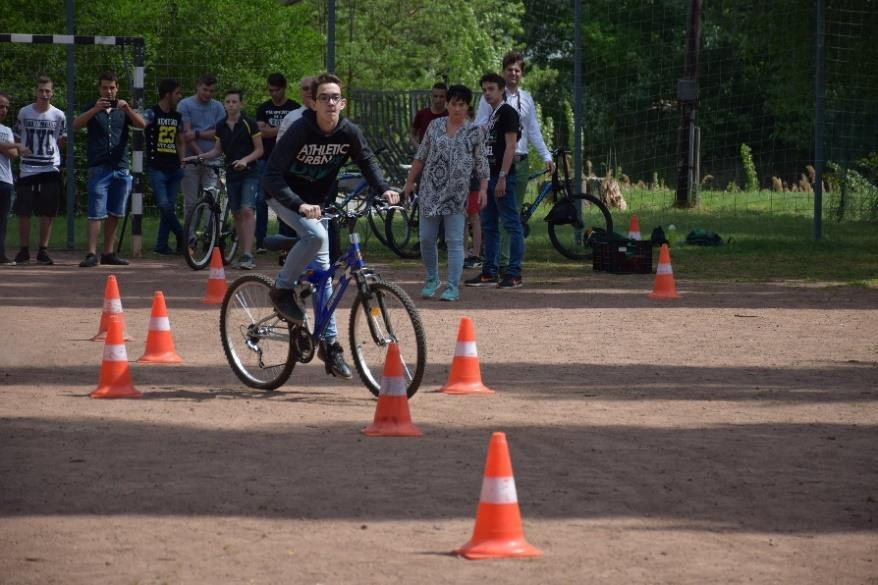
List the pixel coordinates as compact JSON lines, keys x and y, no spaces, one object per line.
{"x":401,"y":231}
{"x":200,"y":232}
{"x":570,"y":237}
{"x":377,"y":221}
{"x":394,"y":318}
{"x":255,"y":340}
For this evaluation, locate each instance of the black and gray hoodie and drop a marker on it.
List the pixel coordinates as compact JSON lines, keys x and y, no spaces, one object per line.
{"x":305,"y":162}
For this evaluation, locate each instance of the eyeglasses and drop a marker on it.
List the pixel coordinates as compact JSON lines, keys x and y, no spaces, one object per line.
{"x":329,"y":99}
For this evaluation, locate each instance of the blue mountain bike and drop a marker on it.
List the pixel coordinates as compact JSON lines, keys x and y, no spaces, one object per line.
{"x":262,"y":348}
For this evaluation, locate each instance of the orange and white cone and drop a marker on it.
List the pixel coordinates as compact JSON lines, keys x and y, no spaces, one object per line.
{"x":115,"y":377}
{"x":466,"y":374}
{"x":392,"y":418}
{"x":498,"y":532}
{"x":664,"y":287}
{"x":112,"y":307}
{"x":634,"y":228}
{"x":216,"y":282}
{"x":159,"y":341}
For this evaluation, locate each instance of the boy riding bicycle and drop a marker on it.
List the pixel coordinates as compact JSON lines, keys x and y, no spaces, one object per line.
{"x":299,"y":176}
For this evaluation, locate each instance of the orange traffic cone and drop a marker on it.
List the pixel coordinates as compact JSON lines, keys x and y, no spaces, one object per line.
{"x":392,"y":418}
{"x":498,"y":531}
{"x":216,"y":283}
{"x":159,"y":342}
{"x":112,"y":307}
{"x":466,"y":375}
{"x":115,"y":377}
{"x":634,"y":229}
{"x":664,"y":277}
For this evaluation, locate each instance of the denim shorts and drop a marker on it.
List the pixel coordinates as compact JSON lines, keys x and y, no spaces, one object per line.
{"x":108,"y":189}
{"x":242,"y":193}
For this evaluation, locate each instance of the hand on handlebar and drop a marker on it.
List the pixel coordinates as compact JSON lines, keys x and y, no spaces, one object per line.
{"x":391,"y":197}
{"x":309,"y":211}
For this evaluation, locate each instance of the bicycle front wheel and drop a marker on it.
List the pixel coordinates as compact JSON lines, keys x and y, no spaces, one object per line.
{"x":200,"y":233}
{"x":401,"y":231}
{"x":228,"y":239}
{"x":387,"y":315}
{"x":255,"y":340}
{"x":570,"y":239}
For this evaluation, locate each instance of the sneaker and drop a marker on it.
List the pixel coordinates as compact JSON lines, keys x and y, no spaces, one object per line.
{"x":23,"y":256}
{"x":451,"y":293}
{"x":472,"y":262}
{"x":509,"y":281}
{"x":113,"y":260}
{"x":261,"y":250}
{"x":166,"y":251}
{"x":4,"y":261}
{"x":287,"y":305}
{"x":333,"y":357}
{"x":481,"y":280}
{"x":430,"y":287}
{"x":44,"y":258}
{"x":90,"y":260}
{"x":246,"y":263}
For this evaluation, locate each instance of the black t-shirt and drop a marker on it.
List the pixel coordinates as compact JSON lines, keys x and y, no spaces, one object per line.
{"x":273,"y":115}
{"x":237,"y":143}
{"x":504,"y":119}
{"x":161,"y":138}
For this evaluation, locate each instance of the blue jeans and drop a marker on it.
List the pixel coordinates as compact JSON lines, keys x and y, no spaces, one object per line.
{"x":165,"y":188}
{"x":108,"y":189}
{"x":261,"y":206}
{"x":497,"y":211}
{"x":428,"y":231}
{"x":242,"y":193}
{"x":310,"y":252}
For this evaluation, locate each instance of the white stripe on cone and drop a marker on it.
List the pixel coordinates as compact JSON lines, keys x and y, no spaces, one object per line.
{"x":466,"y":349}
{"x":217,"y":273}
{"x":664,"y":269}
{"x":159,"y":324}
{"x":115,"y":353}
{"x":112,"y":306}
{"x":498,"y":490}
{"x":633,"y":235}
{"x":392,"y":386}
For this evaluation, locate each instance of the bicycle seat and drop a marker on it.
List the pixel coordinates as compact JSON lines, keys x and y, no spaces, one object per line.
{"x":278,"y":243}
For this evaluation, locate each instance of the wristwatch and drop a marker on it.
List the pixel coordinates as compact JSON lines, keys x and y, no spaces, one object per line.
{"x":502,"y":173}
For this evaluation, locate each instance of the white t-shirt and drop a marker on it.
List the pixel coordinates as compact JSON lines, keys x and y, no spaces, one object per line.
{"x":5,"y":163}
{"x":40,"y":132}
{"x":288,"y":121}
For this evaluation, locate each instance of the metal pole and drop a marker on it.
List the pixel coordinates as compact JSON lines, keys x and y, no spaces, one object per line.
{"x":330,"y":36}
{"x":687,"y":95}
{"x":818,"y":121}
{"x":69,"y":167}
{"x":577,"y":98}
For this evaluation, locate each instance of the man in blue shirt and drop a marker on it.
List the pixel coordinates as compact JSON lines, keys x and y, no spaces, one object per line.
{"x":109,"y":181}
{"x":201,"y":113}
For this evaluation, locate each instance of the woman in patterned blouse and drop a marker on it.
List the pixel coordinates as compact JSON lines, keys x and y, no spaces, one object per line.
{"x":451,"y":149}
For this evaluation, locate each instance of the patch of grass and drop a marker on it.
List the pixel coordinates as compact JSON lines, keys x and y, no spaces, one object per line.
{"x":771,"y":238}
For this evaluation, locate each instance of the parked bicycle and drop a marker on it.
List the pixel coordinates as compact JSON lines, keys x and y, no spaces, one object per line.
{"x":573,"y":217}
{"x":401,"y":225}
{"x":210,"y":223}
{"x":263,"y":349}
{"x":354,"y":194}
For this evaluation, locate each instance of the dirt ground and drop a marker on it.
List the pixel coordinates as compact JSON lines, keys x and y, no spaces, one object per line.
{"x":728,"y":437}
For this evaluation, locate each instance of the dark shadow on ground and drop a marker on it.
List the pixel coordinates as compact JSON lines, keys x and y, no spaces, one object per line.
{"x":787,"y":478}
{"x":830,"y":382}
